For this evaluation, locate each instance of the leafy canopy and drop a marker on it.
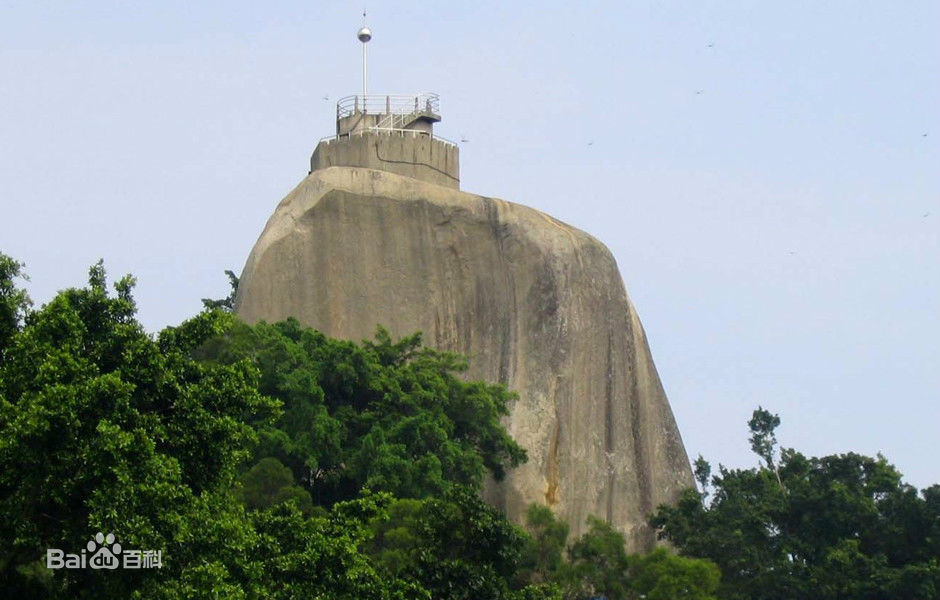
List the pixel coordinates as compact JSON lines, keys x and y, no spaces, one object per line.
{"x":384,"y":415}
{"x":841,"y":526}
{"x":103,"y":428}
{"x":14,"y":302}
{"x":596,"y":565}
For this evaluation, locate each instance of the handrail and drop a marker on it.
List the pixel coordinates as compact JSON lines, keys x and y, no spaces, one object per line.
{"x":388,"y":104}
{"x":414,"y":133}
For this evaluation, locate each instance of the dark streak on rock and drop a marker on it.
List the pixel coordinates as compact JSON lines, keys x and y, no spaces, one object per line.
{"x":501,"y":232}
{"x":645,"y":537}
{"x":551,"y":493}
{"x":609,"y":428}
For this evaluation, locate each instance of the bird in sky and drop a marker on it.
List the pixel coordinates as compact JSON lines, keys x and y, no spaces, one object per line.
{"x":591,"y":143}
{"x":711,"y":44}
{"x":698,"y":92}
{"x":326,"y":97}
{"x":464,"y":139}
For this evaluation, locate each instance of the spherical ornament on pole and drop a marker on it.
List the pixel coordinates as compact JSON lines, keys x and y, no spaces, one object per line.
{"x":364,"y":35}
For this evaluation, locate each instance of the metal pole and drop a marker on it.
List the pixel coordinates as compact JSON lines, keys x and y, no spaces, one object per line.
{"x":364,"y":36}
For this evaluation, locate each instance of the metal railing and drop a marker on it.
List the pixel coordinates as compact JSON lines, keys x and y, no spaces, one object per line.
{"x":388,"y":105}
{"x":390,"y":131}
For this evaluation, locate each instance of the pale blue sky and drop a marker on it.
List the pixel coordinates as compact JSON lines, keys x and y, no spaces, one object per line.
{"x":766,"y":174}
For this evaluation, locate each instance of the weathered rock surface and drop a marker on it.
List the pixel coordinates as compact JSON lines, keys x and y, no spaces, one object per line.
{"x":535,"y":304}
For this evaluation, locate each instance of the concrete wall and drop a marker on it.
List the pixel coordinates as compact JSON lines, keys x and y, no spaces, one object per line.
{"x":418,"y":156}
{"x":357,"y":122}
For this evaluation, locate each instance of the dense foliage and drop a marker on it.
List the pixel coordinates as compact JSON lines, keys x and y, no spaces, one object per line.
{"x":13,"y":301}
{"x":103,"y":428}
{"x":384,"y":415}
{"x":839,"y":527}
{"x":596,"y":565}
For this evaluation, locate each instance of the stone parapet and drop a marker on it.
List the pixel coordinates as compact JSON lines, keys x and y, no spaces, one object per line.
{"x":409,"y":153}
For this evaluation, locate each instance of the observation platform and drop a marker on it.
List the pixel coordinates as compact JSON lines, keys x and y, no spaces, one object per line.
{"x":392,"y":133}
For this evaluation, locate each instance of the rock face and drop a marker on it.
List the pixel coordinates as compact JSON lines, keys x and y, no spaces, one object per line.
{"x":534,"y":303}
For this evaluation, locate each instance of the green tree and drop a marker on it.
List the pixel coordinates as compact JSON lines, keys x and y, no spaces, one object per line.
{"x":661,"y":575}
{"x":269,"y":483}
{"x":103,"y":428}
{"x":226,"y":304}
{"x":764,"y":439}
{"x":14,"y":302}
{"x":396,"y":541}
{"x":385,"y":415}
{"x":841,"y":526}
{"x":544,"y":553}
{"x":703,"y":473}
{"x":455,"y":546}
{"x":597,"y":564}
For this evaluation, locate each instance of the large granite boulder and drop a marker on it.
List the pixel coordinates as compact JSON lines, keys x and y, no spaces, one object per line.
{"x":534,"y":303}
